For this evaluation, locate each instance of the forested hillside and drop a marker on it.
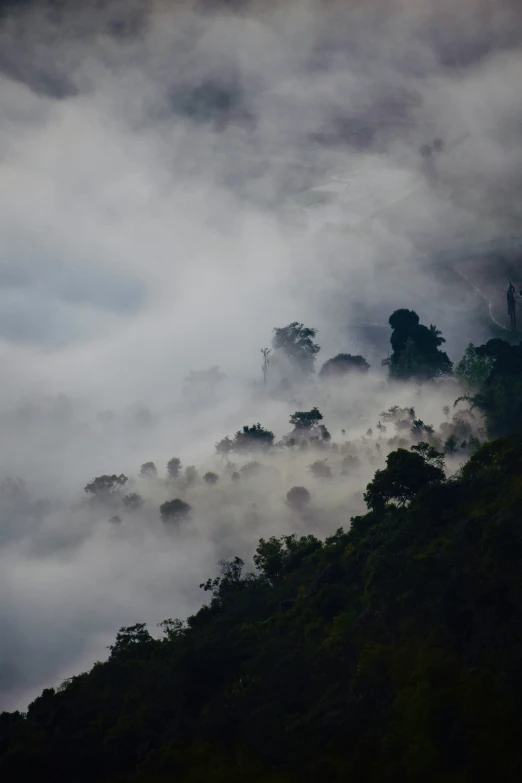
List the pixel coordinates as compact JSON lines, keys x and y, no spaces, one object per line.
{"x":388,"y":652}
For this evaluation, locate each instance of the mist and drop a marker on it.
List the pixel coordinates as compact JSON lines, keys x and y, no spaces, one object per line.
{"x":178,"y":180}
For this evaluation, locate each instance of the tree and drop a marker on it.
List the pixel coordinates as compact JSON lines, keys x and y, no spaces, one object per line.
{"x":499,"y":398}
{"x":254,"y":438}
{"x":416,"y":353}
{"x":430,"y":454}
{"x":175,"y":510}
{"x":342,"y":365}
{"x":148,"y":470}
{"x":191,"y":474}
{"x":130,"y":637}
{"x":104,"y":486}
{"x":320,"y":469}
{"x":474,"y":369}
{"x":297,"y":498}
{"x":306,"y":420}
{"x":211,"y":478}
{"x":406,"y":473}
{"x":174,"y":467}
{"x":296,"y":342}
{"x":133,"y":501}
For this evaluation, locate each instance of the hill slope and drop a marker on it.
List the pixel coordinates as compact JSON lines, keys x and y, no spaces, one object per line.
{"x":389,"y":652}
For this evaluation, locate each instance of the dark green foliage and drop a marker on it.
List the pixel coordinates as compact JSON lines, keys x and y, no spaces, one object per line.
{"x":148,"y":470}
{"x":296,"y":342}
{"x":175,"y":510}
{"x":133,"y":501}
{"x":343,"y":364}
{"x":499,"y":398}
{"x":103,"y":486}
{"x":416,"y":353}
{"x":389,"y":652}
{"x":298,"y":498}
{"x":406,"y":473}
{"x":473,"y":369}
{"x":306,"y":420}
{"x":211,"y":478}
{"x":174,"y":467}
{"x":253,"y":438}
{"x":429,"y":454}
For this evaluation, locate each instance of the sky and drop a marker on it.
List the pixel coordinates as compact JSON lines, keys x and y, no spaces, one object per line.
{"x":160,"y":165}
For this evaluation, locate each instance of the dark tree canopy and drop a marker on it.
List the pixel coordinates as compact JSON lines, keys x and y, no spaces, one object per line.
{"x":106,"y":485}
{"x":406,"y":473}
{"x":306,"y":420}
{"x":254,"y":438}
{"x":175,"y":510}
{"x":343,"y":364}
{"x":416,"y":347}
{"x":297,"y":498}
{"x":296,"y":342}
{"x":499,"y":397}
{"x":387,"y":652}
{"x":210,"y":477}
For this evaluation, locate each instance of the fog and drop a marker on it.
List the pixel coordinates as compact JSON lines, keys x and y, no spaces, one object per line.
{"x":177,"y":179}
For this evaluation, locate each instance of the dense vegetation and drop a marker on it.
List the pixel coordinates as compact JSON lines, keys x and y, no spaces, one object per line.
{"x":389,"y":651}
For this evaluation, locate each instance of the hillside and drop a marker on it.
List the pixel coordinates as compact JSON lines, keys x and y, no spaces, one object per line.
{"x":387,"y":652}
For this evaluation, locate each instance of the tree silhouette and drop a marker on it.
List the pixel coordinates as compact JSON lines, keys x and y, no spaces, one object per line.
{"x":174,"y":467}
{"x":406,"y":473}
{"x":416,"y":353}
{"x":296,"y":342}
{"x":306,"y":420}
{"x":148,"y":470}
{"x":297,"y":498}
{"x":342,"y":365}
{"x":103,"y":486}
{"x":175,"y":510}
{"x":211,"y":478}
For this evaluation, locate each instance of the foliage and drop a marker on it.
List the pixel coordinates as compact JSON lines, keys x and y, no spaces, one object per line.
{"x":148,"y":470}
{"x":306,"y":420}
{"x":343,"y":364}
{"x":416,"y":353}
{"x":211,"y":478}
{"x":296,"y":342}
{"x":175,"y":510}
{"x":406,"y":473}
{"x":298,"y":498}
{"x":103,"y":486}
{"x":253,"y":438}
{"x":174,"y":467}
{"x":499,"y":398}
{"x":133,"y":501}
{"x":473,"y":369}
{"x":320,"y":469}
{"x":388,"y":652}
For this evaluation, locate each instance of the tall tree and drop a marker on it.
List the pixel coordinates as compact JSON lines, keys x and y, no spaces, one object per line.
{"x":416,"y":348}
{"x":296,"y":342}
